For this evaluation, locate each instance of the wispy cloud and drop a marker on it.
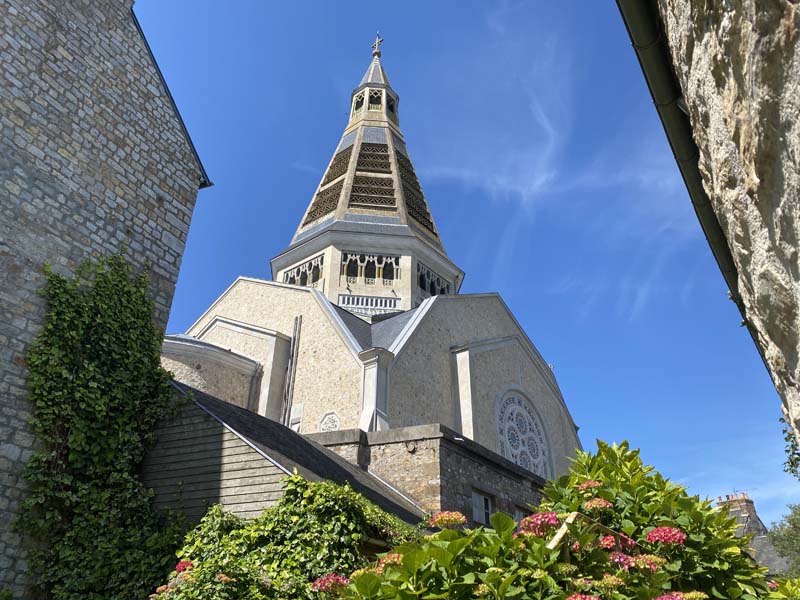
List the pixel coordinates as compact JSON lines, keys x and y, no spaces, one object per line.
{"x":522,"y":148}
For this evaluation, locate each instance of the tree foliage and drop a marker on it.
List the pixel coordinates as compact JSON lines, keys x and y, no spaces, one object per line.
{"x":635,"y":536}
{"x":316,"y":528}
{"x":785,"y":537}
{"x":792,"y":464}
{"x":97,"y":391}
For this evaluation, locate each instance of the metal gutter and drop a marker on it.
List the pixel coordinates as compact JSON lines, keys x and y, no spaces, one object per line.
{"x":204,"y":182}
{"x":643,"y":23}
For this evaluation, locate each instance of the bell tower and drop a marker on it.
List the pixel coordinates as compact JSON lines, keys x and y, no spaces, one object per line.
{"x":368,"y":240}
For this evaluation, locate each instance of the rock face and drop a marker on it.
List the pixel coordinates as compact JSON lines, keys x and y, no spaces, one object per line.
{"x":738,"y":66}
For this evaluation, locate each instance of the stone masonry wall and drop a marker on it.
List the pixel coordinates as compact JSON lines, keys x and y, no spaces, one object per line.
{"x":436,"y":467}
{"x":92,"y":156}
{"x":739,"y":69}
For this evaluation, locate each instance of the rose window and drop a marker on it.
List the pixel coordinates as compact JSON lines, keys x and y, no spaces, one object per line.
{"x":520,"y":435}
{"x":329,"y":422}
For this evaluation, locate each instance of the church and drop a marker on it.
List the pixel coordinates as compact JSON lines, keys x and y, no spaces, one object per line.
{"x":361,"y":350}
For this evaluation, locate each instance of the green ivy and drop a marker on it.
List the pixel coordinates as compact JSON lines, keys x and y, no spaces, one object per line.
{"x":97,"y":391}
{"x":315,"y":529}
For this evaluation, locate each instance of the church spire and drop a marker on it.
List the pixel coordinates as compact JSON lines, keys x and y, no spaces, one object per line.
{"x":370,"y":200}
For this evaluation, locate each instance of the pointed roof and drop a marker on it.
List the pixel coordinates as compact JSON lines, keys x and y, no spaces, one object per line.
{"x":375,"y":74}
{"x":370,"y":185}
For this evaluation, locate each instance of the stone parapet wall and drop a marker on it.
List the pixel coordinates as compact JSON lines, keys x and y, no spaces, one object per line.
{"x":436,"y":467}
{"x":738,"y":67}
{"x":93,"y":159}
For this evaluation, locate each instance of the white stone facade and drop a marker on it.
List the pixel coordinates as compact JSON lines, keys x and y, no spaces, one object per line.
{"x":455,"y":360}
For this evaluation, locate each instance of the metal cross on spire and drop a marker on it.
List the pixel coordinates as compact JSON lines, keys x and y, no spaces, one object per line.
{"x":376,"y":46}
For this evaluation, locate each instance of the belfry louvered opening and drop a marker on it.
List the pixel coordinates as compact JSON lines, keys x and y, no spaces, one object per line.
{"x":373,"y":192}
{"x":324,"y":202}
{"x":338,"y":165}
{"x":374,"y":158}
{"x":415,"y":200}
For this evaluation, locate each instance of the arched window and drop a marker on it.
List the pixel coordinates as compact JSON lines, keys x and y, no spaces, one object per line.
{"x":388,"y":271}
{"x":432,"y":288}
{"x":303,"y":278}
{"x":352,"y":267}
{"x":390,"y":104}
{"x":314,"y":274}
{"x":421,"y":281}
{"x":370,"y":270}
{"x":521,"y":436}
{"x":290,"y":279}
{"x":359,"y":103}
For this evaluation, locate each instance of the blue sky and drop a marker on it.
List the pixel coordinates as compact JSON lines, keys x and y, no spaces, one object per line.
{"x":549,"y":177}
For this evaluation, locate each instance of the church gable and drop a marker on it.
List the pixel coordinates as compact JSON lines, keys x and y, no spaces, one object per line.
{"x":468,"y":365}
{"x":325,"y":370}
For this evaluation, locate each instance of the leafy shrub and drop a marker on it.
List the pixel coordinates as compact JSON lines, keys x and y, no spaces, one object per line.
{"x":613,"y":529}
{"x":315,"y":529}
{"x":785,"y":536}
{"x":97,"y":391}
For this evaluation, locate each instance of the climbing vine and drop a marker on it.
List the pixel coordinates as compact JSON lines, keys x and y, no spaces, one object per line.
{"x":97,"y":391}
{"x":792,"y":464}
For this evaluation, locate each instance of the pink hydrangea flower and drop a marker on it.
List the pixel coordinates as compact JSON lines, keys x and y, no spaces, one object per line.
{"x":773,"y":585}
{"x":597,"y":503}
{"x":583,"y":597}
{"x":447,"y":520}
{"x":182,"y":566}
{"x":667,"y":535}
{"x":608,"y":542}
{"x":650,"y":562}
{"x":622,"y":560}
{"x":330,"y":583}
{"x":539,"y":524}
{"x":589,"y":484}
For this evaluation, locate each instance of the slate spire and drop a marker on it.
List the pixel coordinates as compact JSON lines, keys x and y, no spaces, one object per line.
{"x":371,"y":173}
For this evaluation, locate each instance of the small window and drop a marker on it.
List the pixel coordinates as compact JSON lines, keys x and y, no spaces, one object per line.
{"x":482,"y":507}
{"x":315,"y":274}
{"x":370,"y":270}
{"x":390,"y":104}
{"x":375,"y":99}
{"x":520,"y":513}
{"x":359,"y":103}
{"x":352,"y":267}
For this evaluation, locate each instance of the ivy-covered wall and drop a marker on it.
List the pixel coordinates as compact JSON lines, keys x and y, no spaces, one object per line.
{"x":97,"y":391}
{"x":92,"y":156}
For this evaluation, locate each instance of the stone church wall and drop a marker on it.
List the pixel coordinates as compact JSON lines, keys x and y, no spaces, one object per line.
{"x":436,"y":467}
{"x":454,"y":320}
{"x":92,"y":156}
{"x":508,"y":367}
{"x":211,"y":377}
{"x":334,"y":386}
{"x":425,"y":386}
{"x":738,"y":65}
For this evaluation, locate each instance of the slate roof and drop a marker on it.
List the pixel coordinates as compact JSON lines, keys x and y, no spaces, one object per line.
{"x":292,"y":451}
{"x":375,"y":73}
{"x":378,"y":334}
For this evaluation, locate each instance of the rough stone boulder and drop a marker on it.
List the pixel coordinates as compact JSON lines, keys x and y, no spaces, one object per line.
{"x":739,"y":69}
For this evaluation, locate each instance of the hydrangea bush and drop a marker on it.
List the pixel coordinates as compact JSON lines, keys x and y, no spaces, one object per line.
{"x":636,"y":536}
